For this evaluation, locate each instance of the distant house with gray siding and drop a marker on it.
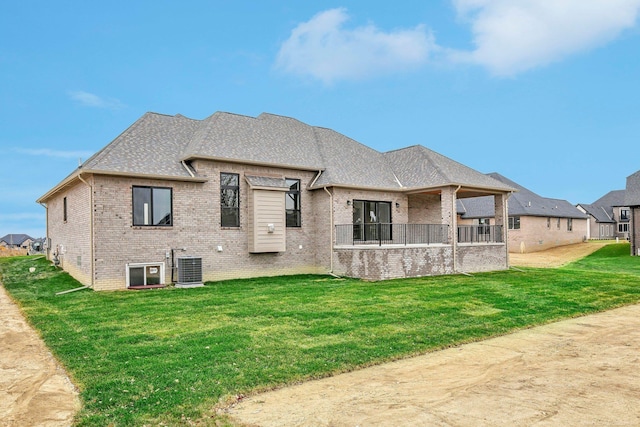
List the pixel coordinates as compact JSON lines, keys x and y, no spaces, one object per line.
{"x":535,"y":222}
{"x":179,"y":200}
{"x":608,"y":216}
{"x":632,"y":200}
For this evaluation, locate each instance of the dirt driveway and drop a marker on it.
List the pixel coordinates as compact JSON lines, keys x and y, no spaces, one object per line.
{"x":34,"y":390}
{"x":579,"y":372}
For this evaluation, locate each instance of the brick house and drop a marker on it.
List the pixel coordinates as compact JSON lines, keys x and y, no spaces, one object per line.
{"x":608,"y":216}
{"x":233,"y":196}
{"x":16,"y":241}
{"x":535,"y":223}
{"x":632,"y":200}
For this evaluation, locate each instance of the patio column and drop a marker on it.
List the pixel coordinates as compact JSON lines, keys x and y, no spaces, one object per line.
{"x":448,"y":209}
{"x":502,"y":218}
{"x":500,"y":205}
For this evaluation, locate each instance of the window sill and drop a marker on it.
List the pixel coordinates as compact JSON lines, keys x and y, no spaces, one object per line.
{"x":138,"y":288}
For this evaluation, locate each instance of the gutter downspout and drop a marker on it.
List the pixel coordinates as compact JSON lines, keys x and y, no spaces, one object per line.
{"x":331,"y":228}
{"x":91,"y":239}
{"x":454,"y":226}
{"x":46,"y":226}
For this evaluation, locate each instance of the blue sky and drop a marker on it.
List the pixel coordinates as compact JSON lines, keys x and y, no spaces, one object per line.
{"x":546,"y":93}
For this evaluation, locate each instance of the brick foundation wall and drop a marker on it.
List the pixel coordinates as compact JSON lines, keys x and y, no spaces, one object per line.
{"x":374,"y":263}
{"x":382,"y":263}
{"x":481,"y":257}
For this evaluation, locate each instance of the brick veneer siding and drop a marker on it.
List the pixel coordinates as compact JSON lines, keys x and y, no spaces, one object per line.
{"x":71,"y":239}
{"x":534,"y":235}
{"x":196,"y":227}
{"x":424,"y":209}
{"x":224,"y":250}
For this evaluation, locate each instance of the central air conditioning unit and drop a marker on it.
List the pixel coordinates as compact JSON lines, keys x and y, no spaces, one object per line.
{"x":189,"y":272}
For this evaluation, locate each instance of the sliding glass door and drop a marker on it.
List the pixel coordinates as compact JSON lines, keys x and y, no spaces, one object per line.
{"x":371,"y":220}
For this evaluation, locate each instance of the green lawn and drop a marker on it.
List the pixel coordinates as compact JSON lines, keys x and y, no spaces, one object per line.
{"x":170,"y":355}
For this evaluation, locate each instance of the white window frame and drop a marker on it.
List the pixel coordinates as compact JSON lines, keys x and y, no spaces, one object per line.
{"x":145,"y":265}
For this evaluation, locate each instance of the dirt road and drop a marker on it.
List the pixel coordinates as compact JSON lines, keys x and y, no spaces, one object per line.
{"x":555,"y":257}
{"x":579,"y":372}
{"x":34,"y":390}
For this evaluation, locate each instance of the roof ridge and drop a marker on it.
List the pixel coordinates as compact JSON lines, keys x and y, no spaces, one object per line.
{"x":117,"y":140}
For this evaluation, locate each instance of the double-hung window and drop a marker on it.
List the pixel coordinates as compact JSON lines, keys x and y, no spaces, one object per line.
{"x":514,"y":223}
{"x":292,"y":203}
{"x":152,"y":206}
{"x":229,"y":200}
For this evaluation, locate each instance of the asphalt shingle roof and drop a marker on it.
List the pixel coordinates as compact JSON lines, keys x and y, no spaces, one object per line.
{"x":160,"y":146}
{"x":602,"y":209}
{"x":522,"y":203}
{"x":151,"y":146}
{"x":598,"y":212}
{"x":418,"y":167}
{"x":15,"y":239}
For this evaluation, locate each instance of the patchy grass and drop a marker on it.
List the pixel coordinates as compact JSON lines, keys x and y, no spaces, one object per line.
{"x":171,"y":355}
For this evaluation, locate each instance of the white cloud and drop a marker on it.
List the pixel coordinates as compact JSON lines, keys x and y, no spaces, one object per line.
{"x":91,"y":100}
{"x":46,"y":152}
{"x":323,"y":49}
{"x":514,"y":36}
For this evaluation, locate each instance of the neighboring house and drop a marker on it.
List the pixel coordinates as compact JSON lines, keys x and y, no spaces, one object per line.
{"x":16,"y":241}
{"x":608,"y":216}
{"x":178,"y":200}
{"x":632,"y":200}
{"x":535,"y":222}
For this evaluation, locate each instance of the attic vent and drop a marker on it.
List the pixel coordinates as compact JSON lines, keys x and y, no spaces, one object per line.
{"x":189,"y":272}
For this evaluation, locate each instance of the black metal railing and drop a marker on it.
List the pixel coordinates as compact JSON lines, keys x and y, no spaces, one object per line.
{"x":480,"y":234}
{"x":391,"y":234}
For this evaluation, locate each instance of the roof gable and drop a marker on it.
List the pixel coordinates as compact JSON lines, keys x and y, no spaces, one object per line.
{"x":420,"y":167}
{"x":151,"y":146}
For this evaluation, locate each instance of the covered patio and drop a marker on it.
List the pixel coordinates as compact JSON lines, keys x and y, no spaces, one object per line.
{"x":426,"y":240}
